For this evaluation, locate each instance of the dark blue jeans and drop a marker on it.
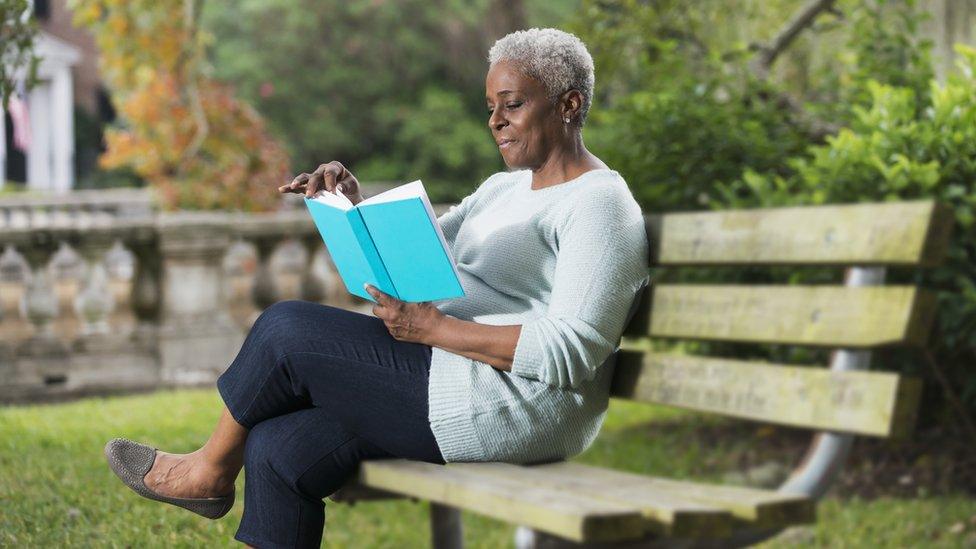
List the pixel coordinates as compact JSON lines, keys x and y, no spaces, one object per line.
{"x":320,"y":389}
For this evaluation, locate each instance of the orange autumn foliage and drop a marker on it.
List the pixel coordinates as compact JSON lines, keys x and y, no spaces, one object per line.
{"x":184,"y":132}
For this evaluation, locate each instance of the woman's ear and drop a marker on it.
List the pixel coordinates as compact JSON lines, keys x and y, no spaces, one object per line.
{"x":570,"y":104}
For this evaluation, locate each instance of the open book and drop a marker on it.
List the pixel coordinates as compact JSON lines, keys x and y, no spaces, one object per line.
{"x":392,"y":241}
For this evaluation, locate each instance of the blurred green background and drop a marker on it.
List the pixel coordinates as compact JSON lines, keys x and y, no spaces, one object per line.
{"x":697,"y":105}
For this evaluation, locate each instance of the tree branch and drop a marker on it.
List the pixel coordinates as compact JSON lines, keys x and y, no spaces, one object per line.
{"x":816,"y":128}
{"x":767,"y":54}
{"x":191,"y":18}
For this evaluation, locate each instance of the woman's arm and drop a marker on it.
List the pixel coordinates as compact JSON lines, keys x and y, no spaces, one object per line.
{"x":494,"y":345}
{"x":424,"y":323}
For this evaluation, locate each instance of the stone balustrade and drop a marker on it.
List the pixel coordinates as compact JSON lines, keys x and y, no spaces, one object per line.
{"x":74,"y":208}
{"x":102,"y":293}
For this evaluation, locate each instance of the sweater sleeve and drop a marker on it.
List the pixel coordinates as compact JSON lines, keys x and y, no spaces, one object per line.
{"x":601,"y":264}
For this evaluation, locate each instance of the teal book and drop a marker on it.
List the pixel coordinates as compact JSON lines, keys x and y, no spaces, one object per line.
{"x":392,"y":241}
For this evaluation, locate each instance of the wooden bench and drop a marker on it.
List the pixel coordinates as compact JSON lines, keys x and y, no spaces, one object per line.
{"x":567,"y":504}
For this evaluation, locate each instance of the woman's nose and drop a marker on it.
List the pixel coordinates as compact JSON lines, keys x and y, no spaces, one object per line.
{"x":496,"y":121}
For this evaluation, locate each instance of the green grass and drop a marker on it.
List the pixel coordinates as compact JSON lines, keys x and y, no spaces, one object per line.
{"x":56,"y":489}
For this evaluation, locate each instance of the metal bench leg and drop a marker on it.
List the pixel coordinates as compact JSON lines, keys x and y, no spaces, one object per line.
{"x":446,"y":527}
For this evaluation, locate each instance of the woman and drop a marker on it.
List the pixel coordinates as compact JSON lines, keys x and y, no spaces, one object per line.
{"x":552,"y":255}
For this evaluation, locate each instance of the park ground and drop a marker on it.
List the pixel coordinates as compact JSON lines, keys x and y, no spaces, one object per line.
{"x":56,"y":489}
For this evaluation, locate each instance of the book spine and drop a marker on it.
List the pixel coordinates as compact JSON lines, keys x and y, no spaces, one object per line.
{"x":380,"y":273}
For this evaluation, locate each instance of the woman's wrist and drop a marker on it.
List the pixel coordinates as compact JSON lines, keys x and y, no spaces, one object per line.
{"x":441,"y":325}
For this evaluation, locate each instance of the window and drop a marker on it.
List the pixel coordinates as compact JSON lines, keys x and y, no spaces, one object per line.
{"x":42,"y":9}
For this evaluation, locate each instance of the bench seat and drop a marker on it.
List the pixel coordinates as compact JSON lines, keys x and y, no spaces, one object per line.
{"x":581,"y":502}
{"x":565,"y":504}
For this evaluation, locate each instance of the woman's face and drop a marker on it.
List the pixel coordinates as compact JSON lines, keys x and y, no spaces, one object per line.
{"x":525,"y":124}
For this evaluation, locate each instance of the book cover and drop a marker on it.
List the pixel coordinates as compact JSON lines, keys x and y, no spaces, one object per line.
{"x":391,"y":240}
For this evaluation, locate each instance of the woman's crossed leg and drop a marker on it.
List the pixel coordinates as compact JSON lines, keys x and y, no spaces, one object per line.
{"x":313,"y":391}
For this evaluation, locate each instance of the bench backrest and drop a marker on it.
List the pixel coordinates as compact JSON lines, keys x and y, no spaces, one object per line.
{"x":912,"y":233}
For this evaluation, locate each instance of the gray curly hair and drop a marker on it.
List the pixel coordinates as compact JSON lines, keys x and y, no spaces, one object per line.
{"x":556,"y":58}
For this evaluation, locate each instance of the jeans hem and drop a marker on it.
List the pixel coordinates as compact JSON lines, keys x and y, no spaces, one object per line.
{"x":260,"y":543}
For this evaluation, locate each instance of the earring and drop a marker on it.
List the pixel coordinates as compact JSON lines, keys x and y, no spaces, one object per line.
{"x":566,"y":120}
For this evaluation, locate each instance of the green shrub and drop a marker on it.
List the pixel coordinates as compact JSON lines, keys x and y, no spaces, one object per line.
{"x":902,"y":147}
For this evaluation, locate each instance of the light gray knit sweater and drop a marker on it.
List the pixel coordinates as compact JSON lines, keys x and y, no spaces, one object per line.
{"x":565,"y":262}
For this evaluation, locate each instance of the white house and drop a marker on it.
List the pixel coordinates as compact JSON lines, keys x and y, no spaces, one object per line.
{"x":50,"y":157}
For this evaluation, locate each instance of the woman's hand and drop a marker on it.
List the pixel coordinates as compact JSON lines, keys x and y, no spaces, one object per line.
{"x":414,"y":322}
{"x":333,"y":177}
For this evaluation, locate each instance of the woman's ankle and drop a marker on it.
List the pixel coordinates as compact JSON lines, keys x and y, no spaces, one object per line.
{"x":222,"y":471}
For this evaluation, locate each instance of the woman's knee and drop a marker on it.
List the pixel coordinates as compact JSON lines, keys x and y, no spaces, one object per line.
{"x":283,"y":312}
{"x":285,"y":319}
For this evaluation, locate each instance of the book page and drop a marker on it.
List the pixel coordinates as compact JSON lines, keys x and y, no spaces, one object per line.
{"x":408,"y":190}
{"x":333,"y":199}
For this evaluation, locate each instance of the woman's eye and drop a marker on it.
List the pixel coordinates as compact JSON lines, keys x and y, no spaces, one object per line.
{"x":514,"y":105}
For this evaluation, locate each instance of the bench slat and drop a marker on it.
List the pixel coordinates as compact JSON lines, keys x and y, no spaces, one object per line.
{"x":667,"y":514}
{"x":759,"y":508}
{"x":572,"y":516}
{"x":837,"y":316}
{"x":867,"y":403}
{"x":894,"y":233}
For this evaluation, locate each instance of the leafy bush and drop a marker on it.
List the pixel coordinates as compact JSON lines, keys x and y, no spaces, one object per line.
{"x":680,"y":114}
{"x":676,"y":114}
{"x":902,"y":147}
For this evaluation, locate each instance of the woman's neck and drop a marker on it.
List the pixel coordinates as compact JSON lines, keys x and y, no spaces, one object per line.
{"x":565,"y":163}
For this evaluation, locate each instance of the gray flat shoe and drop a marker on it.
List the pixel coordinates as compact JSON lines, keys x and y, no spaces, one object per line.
{"x":130,"y":461}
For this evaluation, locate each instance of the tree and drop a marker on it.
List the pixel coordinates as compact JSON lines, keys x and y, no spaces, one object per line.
{"x":394,"y":90}
{"x":17,"y":60}
{"x":715,"y":105}
{"x":184,"y":132}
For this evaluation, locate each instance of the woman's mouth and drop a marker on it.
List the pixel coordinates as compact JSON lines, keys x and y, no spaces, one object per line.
{"x":504,"y":143}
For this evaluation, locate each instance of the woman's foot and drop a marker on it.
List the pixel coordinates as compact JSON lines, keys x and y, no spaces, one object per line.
{"x":131,"y":461}
{"x":187,"y":476}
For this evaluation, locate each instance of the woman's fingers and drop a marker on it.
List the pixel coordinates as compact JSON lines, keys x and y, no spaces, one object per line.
{"x":297,"y":185}
{"x":330,"y":181}
{"x":332,"y":177}
{"x":323,"y":178}
{"x":384,"y":299}
{"x":314,"y":184}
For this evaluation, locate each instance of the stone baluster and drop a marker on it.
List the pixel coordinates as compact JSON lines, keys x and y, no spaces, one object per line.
{"x":288,"y":265}
{"x":314,"y":285}
{"x":14,"y":275}
{"x":197,"y":338}
{"x":120,"y":266}
{"x":67,"y":270}
{"x":239,"y":267}
{"x":42,"y":358}
{"x":265,"y":291}
{"x":95,"y":301}
{"x":39,"y":303}
{"x":146,"y":289}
